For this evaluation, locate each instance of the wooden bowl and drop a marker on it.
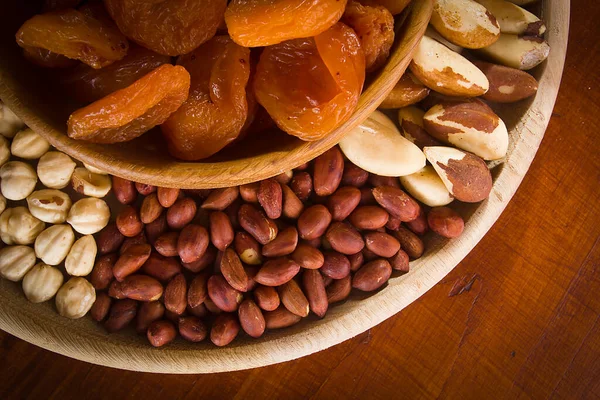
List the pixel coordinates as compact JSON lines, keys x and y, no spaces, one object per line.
{"x":144,"y":159}
{"x":84,"y":340}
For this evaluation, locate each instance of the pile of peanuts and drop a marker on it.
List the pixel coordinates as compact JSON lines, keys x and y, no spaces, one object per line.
{"x":255,"y":257}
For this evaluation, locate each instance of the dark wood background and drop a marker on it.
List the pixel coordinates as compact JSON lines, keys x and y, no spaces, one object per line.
{"x":529,"y":327}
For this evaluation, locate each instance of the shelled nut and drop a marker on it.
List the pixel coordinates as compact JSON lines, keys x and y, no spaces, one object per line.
{"x":29,"y":145}
{"x":55,"y":169}
{"x":42,"y":282}
{"x":49,"y":205}
{"x":16,"y":261}
{"x":53,"y":244}
{"x":88,"y":216}
{"x":18,"y":226}
{"x":75,"y":298}
{"x":80,"y":260}
{"x":90,"y":183}
{"x":17,"y":180}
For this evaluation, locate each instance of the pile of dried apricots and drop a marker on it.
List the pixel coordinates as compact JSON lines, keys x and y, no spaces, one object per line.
{"x":204,"y":70}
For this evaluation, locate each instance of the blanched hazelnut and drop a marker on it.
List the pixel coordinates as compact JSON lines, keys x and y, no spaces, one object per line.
{"x":94,"y":169}
{"x":41,"y":283}
{"x":88,"y":216}
{"x":4,"y":151}
{"x":54,"y":243}
{"x":29,"y":145}
{"x":2,"y":203}
{"x":55,"y":169}
{"x":10,"y":124}
{"x":16,"y":261}
{"x":90,"y":184}
{"x":18,"y":226}
{"x":18,"y":180}
{"x":49,"y":205}
{"x":75,"y":298}
{"x":80,"y":260}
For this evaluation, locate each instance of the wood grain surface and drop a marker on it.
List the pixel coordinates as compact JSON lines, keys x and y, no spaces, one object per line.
{"x":518,"y":318}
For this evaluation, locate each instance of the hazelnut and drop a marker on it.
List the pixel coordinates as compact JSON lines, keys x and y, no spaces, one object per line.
{"x":18,"y":226}
{"x":81,"y":257}
{"x":4,"y":151}
{"x":16,"y":261}
{"x":29,"y":145}
{"x":41,"y":283}
{"x":88,"y":216}
{"x":94,"y":170}
{"x":90,"y":184}
{"x":9,"y":122}
{"x":54,"y":243}
{"x":55,"y":169}
{"x":49,"y":205}
{"x":75,"y":298}
{"x":18,"y":180}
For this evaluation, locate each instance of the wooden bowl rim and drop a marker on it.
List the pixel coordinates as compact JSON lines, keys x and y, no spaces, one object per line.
{"x":80,"y":339}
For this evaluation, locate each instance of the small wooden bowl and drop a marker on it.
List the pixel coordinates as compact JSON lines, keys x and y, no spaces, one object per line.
{"x":145,"y":160}
{"x":84,"y":340}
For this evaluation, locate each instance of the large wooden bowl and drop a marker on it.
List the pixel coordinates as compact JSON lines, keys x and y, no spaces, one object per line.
{"x":26,"y":91}
{"x":84,"y":340}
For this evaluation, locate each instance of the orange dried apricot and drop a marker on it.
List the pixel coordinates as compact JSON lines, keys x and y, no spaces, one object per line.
{"x":217,"y":107}
{"x":169,"y":27}
{"x":128,"y":113}
{"x":310,"y":86}
{"x":374,"y":26}
{"x":254,"y":23}
{"x":74,"y":35}
{"x":87,"y":84}
{"x":393,"y":6}
{"x":47,"y":59}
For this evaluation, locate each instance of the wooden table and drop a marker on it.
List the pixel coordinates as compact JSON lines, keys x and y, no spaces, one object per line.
{"x":526,"y":324}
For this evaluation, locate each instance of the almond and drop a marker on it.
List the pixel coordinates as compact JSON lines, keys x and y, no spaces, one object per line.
{"x":521,"y":52}
{"x":198,"y":290}
{"x":232,"y":212}
{"x":313,"y":222}
{"x":147,"y":314}
{"x":247,"y":248}
{"x":233,"y":270}
{"x":308,"y":257}
{"x":192,"y":243}
{"x":207,"y":259}
{"x":257,"y":224}
{"x":131,"y":261}
{"x":400,"y":261}
{"x":132,"y":241}
{"x":409,"y":242}
{"x":124,"y":190}
{"x":285,"y":177}
{"x":199,"y":311}
{"x":396,"y":202}
{"x":270,"y":197}
{"x":192,"y":329}
{"x":407,"y":91}
{"x":102,"y":274}
{"x":277,"y":272}
{"x":161,"y":268}
{"x":121,"y":313}
{"x":211,"y":307}
{"x":339,"y":290}
{"x":144,"y":189}
{"x":166,"y":244}
{"x":445,"y":222}
{"x":293,"y":299}
{"x":109,"y":240}
{"x":223,"y":295}
{"x":181,"y":213}
{"x":344,"y":238}
{"x":161,"y":333}
{"x":378,"y":180}
{"x":412,"y":128}
{"x":292,"y":206}
{"x":151,"y":209}
{"x":249,"y":192}
{"x":427,"y":187}
{"x":224,"y":329}
{"x":445,"y":71}
{"x":280,"y":318}
{"x":372,"y":275}
{"x":140,"y":287}
{"x":354,"y":175}
{"x":507,"y":85}
{"x":356,"y":261}
{"x":156,"y":228}
{"x":328,"y":170}
{"x":465,"y":23}
{"x":382,"y":244}
{"x":419,"y":225}
{"x":101,"y":306}
{"x":167,"y":196}
{"x":343,"y":202}
{"x":128,"y":222}
{"x":251,"y":318}
{"x":369,"y":217}
{"x":336,"y":265}
{"x":176,"y":295}
{"x":251,"y":271}
{"x":284,"y":244}
{"x":302,"y":185}
{"x":366,"y":197}
{"x":314,"y":287}
{"x":220,"y":199}
{"x":266,"y":297}
{"x":368,"y":255}
{"x":393,"y":223}
{"x":221,"y":231}
{"x":465,"y":175}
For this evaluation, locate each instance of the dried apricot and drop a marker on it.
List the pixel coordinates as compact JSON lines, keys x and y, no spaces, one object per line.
{"x":217,"y":107}
{"x":128,"y":113}
{"x":74,"y":35}
{"x":374,"y":26}
{"x":47,"y":59}
{"x":87,"y":84}
{"x":254,"y":23}
{"x":310,"y":86}
{"x":393,"y":6}
{"x":170,"y":27}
